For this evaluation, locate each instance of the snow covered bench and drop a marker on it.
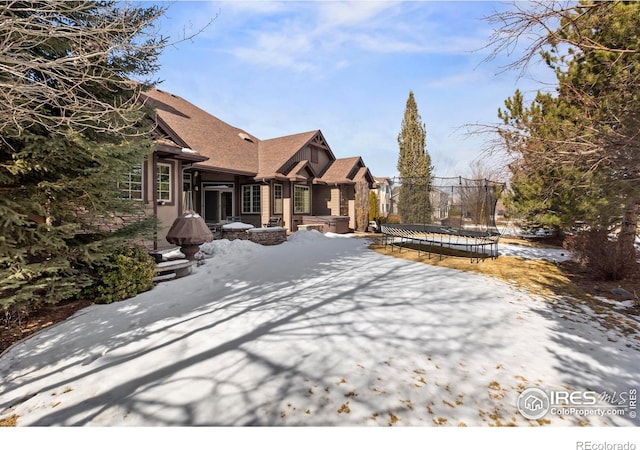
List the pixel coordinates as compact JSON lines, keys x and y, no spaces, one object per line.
{"x":169,"y":270}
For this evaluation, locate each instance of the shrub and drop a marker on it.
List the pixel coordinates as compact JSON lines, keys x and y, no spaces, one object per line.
{"x":374,"y":206}
{"x":393,"y":218}
{"x":126,"y":273}
{"x":599,"y":254}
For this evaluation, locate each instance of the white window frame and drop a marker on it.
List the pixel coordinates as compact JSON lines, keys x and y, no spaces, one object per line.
{"x":160,"y":191}
{"x":303,"y":210}
{"x":125,"y":186}
{"x":253,"y":191}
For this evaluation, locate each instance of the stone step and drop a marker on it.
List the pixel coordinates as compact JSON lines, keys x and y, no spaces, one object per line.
{"x":179,"y":267}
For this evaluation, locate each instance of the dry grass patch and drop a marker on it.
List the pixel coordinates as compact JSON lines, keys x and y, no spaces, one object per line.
{"x":539,"y":277}
{"x":525,"y":242}
{"x":11,"y":421}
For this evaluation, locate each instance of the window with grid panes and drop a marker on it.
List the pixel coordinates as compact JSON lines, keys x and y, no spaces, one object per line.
{"x":301,"y":200}
{"x":251,"y":199}
{"x":131,"y":187}
{"x":164,"y":182}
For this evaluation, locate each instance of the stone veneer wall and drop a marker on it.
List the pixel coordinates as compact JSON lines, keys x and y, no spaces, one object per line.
{"x":263,"y":236}
{"x":235,"y":234}
{"x":268,"y":236}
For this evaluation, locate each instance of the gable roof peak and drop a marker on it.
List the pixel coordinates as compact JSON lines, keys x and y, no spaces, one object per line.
{"x":344,"y":170}
{"x":274,"y":154}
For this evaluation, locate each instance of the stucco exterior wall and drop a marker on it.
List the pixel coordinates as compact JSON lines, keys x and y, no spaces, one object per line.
{"x":167,"y":211}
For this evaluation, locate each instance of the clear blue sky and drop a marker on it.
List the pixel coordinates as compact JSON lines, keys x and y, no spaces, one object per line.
{"x":346,"y":68}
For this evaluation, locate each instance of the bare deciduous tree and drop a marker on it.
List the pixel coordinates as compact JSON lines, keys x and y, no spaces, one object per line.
{"x":57,"y":63}
{"x":541,"y":24}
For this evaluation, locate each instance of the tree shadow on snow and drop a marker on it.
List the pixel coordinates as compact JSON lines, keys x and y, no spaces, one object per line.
{"x":232,"y":351}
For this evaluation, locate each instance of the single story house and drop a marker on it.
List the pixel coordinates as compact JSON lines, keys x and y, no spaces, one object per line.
{"x":203,"y":164}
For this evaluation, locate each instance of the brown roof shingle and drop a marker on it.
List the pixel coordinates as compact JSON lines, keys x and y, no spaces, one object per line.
{"x":233,"y":150}
{"x":340,"y":170}
{"x":227,"y":147}
{"x":273,"y":154}
{"x":364,"y":174}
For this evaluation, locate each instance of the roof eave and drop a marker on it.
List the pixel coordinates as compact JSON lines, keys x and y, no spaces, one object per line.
{"x":209,"y":168}
{"x":338,"y":182}
{"x":269,"y":177}
{"x":298,"y":178}
{"x":165,"y":151}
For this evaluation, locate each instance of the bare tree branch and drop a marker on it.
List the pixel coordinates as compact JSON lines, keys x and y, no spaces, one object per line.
{"x":57,"y":58}
{"x":539,"y":25}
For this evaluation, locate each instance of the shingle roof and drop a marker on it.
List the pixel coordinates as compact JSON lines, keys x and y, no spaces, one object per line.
{"x":340,"y":170}
{"x":227,"y":147}
{"x":297,"y":173}
{"x":364,"y":174}
{"x":273,"y":154}
{"x":233,"y":150}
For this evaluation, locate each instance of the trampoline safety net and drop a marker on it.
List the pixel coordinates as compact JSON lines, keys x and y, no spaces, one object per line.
{"x":444,"y":216}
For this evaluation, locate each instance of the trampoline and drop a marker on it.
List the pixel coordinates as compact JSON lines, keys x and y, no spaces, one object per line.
{"x":444,"y":216}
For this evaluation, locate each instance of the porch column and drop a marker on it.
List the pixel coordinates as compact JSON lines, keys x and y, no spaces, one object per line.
{"x":287,"y":207}
{"x":265,"y":202}
{"x":334,"y":204}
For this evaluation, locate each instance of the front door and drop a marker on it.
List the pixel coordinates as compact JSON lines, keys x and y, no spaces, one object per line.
{"x":217,"y":203}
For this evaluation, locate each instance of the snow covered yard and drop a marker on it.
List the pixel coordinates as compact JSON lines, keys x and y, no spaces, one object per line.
{"x":316,"y":331}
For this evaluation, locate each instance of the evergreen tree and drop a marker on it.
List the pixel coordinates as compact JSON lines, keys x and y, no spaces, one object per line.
{"x":374,"y":206}
{"x":543,"y":189}
{"x":72,"y":128}
{"x":577,"y":153}
{"x":414,"y":167}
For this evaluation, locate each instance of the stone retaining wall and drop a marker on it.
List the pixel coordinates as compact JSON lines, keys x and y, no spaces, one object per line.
{"x":263,"y":236}
{"x":234,"y":234}
{"x":267,"y":236}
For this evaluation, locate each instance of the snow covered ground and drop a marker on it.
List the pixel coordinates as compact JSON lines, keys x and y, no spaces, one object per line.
{"x":317,"y":331}
{"x":549,"y":254}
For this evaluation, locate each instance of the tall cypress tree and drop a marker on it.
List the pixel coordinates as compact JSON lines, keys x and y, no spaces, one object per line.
{"x":414,"y":167}
{"x":72,"y":128}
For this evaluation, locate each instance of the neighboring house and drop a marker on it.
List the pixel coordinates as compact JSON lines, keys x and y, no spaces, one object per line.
{"x":440,"y":203}
{"x":395,"y":199}
{"x":382,"y":189}
{"x":220,"y":171}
